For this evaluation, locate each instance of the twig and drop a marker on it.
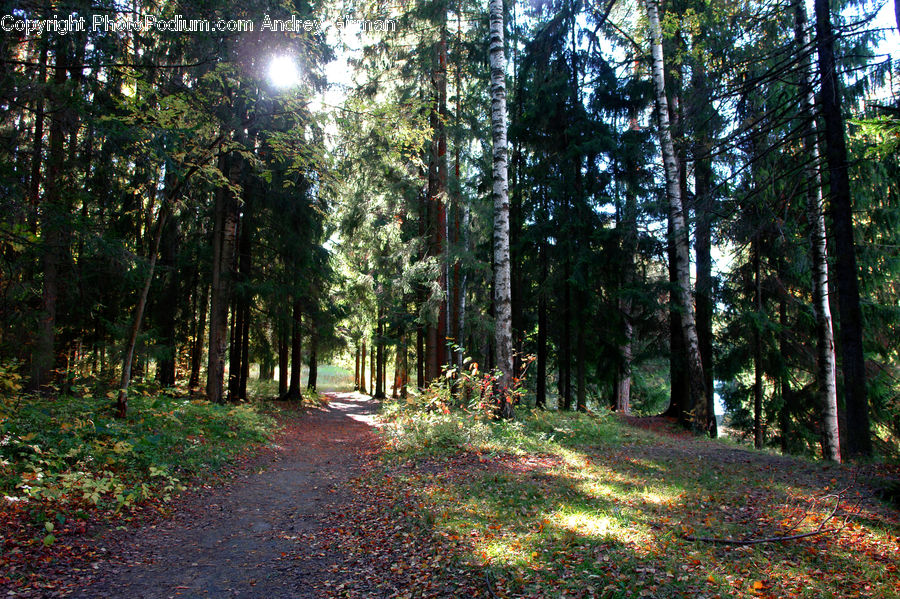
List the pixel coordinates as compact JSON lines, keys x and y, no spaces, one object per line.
{"x":780,"y":539}
{"x":487,"y":581}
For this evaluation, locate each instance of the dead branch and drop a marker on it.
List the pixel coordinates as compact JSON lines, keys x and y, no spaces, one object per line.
{"x":782,"y":538}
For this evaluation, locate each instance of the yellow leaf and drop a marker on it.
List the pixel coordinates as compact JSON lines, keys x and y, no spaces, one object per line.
{"x":757,"y":585}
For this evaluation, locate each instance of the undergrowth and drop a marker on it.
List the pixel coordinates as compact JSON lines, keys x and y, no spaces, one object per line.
{"x":66,"y":452}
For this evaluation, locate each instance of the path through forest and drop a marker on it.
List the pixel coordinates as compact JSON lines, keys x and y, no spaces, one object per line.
{"x":258,"y":535}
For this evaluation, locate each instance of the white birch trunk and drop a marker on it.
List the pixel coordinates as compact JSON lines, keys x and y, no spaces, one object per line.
{"x":698,"y":411}
{"x":825,"y":356}
{"x":502,"y":285}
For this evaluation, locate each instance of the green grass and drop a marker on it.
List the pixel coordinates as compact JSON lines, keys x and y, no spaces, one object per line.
{"x":72,"y":450}
{"x":558,"y":504}
{"x":330,"y":378}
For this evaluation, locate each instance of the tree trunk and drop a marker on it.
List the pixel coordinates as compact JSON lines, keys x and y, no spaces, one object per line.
{"x":703,"y":208}
{"x":404,"y":367}
{"x":757,"y":348}
{"x":356,"y":371}
{"x":372,"y":367}
{"x":565,"y":350}
{"x":826,"y":368}
{"x":362,"y":368}
{"x":540,"y":399}
{"x":698,"y":410}
{"x":580,"y":372}
{"x":379,"y":359}
{"x":198,"y":344}
{"x":293,"y":392}
{"x":283,"y":366}
{"x":312,"y":379}
{"x":858,"y":436}
{"x":787,"y":408}
{"x":52,"y":222}
{"x":224,"y":236}
{"x":122,"y":399}
{"x":502,"y":291}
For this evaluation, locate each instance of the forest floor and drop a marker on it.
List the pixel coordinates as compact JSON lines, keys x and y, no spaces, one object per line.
{"x":554,"y":505}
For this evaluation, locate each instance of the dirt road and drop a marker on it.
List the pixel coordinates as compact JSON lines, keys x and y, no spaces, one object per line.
{"x":257,"y":535}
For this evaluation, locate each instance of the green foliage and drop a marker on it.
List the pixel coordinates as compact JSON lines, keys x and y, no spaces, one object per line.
{"x":72,"y":451}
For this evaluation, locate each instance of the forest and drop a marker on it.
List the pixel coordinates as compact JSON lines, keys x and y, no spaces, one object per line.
{"x":684,"y":209}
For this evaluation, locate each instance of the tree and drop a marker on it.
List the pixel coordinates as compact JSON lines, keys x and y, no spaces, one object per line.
{"x":500,"y":193}
{"x":825,"y":357}
{"x":859,"y":442}
{"x":698,"y":411}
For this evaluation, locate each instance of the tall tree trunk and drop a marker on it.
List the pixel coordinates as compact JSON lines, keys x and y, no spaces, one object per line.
{"x":362,"y":368}
{"x":502,"y":291}
{"x":37,"y":152}
{"x":703,"y":209}
{"x":698,"y":410}
{"x":224,"y":237}
{"x":825,"y":357}
{"x":52,"y":223}
{"x":858,"y":436}
{"x":757,"y":348}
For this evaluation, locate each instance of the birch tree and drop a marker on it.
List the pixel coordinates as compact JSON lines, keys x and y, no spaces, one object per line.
{"x":825,"y":358}
{"x":502,"y":284}
{"x":698,"y":412}
{"x":859,"y":441}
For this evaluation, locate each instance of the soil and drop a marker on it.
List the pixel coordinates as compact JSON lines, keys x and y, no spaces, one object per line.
{"x":256,"y":536}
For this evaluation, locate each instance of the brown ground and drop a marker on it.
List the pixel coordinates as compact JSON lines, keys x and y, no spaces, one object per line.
{"x":257,"y":535}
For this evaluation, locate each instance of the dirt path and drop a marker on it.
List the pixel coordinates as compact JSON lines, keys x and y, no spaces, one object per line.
{"x":255,"y":536}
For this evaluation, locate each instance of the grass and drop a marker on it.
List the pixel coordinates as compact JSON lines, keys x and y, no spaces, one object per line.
{"x":70,"y":451}
{"x":329,"y":378}
{"x":558,"y":504}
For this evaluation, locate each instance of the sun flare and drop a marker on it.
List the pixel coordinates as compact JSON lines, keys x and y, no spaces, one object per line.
{"x":283,"y":72}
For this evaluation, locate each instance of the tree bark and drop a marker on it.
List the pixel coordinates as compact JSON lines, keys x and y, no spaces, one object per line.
{"x":826,"y":369}
{"x":283,"y":363}
{"x":500,"y":193}
{"x":52,"y":222}
{"x":312,"y":379}
{"x":362,"y":368}
{"x":698,"y":410}
{"x":379,"y":359}
{"x":859,"y":441}
{"x":540,"y":399}
{"x":293,"y":392}
{"x":757,"y":348}
{"x":198,"y":344}
{"x":356,"y":372}
{"x":703,"y":209}
{"x":224,"y":236}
